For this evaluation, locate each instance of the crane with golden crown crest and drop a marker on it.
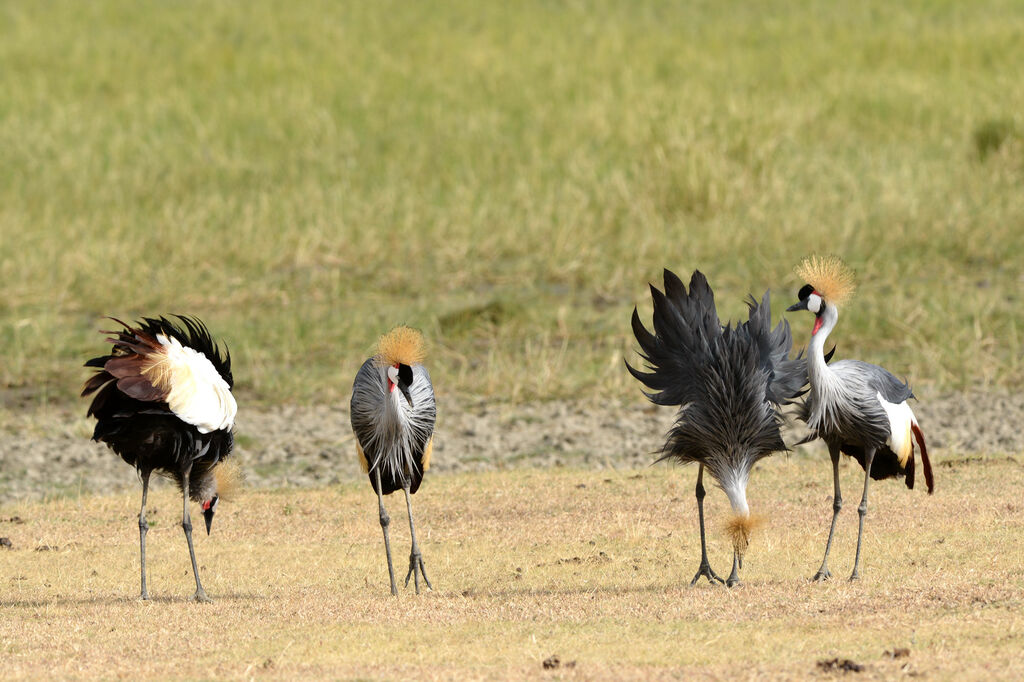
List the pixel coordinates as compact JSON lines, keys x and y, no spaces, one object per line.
{"x":163,"y":403}
{"x":393,"y":415}
{"x":728,"y":382}
{"x":857,"y":408}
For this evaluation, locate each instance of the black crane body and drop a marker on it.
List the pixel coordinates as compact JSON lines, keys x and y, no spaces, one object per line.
{"x":163,"y":403}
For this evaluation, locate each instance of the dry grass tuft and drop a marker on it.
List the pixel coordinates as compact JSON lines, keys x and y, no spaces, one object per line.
{"x":590,"y":567}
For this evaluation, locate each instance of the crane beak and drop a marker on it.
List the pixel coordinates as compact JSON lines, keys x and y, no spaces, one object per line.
{"x":405,"y":391}
{"x":801,"y":305}
{"x":208,"y":509}
{"x":208,"y":517}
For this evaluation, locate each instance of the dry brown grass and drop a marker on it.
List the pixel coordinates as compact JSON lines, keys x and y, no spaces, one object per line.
{"x":590,"y":566}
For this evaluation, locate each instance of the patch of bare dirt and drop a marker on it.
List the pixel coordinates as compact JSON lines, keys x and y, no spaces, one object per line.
{"x":48,"y":451}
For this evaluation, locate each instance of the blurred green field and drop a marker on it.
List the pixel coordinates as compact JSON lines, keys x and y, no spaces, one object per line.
{"x":508,"y":177}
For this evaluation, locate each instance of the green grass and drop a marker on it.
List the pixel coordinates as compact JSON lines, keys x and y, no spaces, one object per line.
{"x":591,"y":566}
{"x":508,"y":178}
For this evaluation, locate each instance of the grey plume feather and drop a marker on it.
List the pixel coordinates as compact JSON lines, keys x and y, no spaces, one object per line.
{"x":787,"y":376}
{"x":684,"y":326}
{"x":726,"y":380}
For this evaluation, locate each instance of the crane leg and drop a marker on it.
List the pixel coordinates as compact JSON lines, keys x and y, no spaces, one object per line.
{"x":705,"y":567}
{"x":862,"y":510}
{"x":837,"y":504}
{"x":143,"y":529}
{"x":734,"y":578}
{"x":186,"y":524}
{"x":415,"y":558}
{"x":385,"y":521}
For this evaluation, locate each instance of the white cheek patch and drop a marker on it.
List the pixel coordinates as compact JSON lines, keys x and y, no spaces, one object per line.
{"x":393,"y":374}
{"x":814,"y":303}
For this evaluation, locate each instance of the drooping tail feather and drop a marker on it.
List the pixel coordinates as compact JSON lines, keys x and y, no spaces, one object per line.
{"x":919,"y":436}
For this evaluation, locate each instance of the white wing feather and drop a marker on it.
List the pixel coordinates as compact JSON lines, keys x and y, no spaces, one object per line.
{"x":900,"y":419}
{"x":198,"y":393}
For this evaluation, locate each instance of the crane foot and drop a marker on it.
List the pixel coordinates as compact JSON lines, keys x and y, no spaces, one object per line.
{"x":201,"y":598}
{"x":416,"y":569}
{"x":705,"y":570}
{"x":822,"y":575}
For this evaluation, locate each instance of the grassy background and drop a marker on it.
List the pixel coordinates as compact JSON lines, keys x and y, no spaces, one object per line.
{"x":507,"y":178}
{"x":590,"y":566}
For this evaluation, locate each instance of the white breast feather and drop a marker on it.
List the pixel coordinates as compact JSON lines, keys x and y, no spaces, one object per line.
{"x":900,"y":419}
{"x":198,"y":393}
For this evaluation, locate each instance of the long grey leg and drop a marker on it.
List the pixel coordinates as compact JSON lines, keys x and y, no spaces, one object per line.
{"x":186,"y":524}
{"x":734,"y":577}
{"x":385,"y":521}
{"x":143,"y":529}
{"x":415,"y":558}
{"x":862,"y":510}
{"x":705,"y":567}
{"x":837,"y":504}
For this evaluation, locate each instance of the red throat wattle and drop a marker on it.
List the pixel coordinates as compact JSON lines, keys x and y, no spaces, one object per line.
{"x":206,"y":505}
{"x":817,"y":325}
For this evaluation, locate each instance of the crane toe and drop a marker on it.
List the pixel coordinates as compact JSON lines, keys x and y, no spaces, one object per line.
{"x":705,"y":570}
{"x":416,"y":569}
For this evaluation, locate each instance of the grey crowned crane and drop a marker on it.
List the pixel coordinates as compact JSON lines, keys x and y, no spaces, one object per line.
{"x":163,"y":403}
{"x":393,"y":415}
{"x":728,"y":383}
{"x":857,"y":408}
